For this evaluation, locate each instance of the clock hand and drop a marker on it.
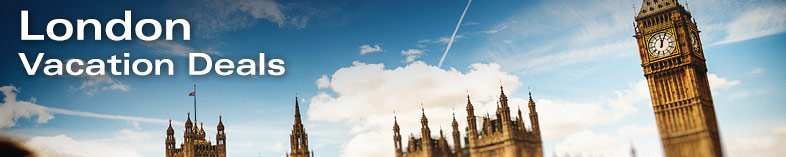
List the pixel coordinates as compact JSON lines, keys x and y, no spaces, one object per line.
{"x":661,"y":43}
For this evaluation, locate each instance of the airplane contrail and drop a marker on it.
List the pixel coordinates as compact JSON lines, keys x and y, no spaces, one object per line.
{"x":450,"y":43}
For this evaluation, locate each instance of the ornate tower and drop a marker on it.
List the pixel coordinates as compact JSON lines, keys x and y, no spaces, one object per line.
{"x":673,"y":62}
{"x":397,"y":138}
{"x":188,"y":138}
{"x":170,"y":140}
{"x":425,"y":133}
{"x":298,"y":139}
{"x":221,"y":138}
{"x":533,"y":117}
{"x":457,"y":137}
{"x":503,"y":112}
{"x":472,"y":129}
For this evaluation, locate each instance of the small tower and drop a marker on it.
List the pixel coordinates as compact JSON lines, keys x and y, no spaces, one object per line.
{"x":533,"y":117}
{"x":503,"y":112}
{"x":221,"y":138}
{"x":170,"y":140}
{"x":472,"y":130}
{"x":425,"y":133}
{"x":188,"y":137}
{"x":397,"y":137}
{"x":456,"y":137}
{"x":201,"y":131}
{"x":298,"y":139}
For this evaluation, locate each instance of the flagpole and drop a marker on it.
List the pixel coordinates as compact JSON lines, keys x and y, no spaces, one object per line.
{"x":195,"y":109}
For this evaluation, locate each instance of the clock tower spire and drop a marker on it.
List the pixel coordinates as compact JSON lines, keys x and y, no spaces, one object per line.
{"x":674,"y":65}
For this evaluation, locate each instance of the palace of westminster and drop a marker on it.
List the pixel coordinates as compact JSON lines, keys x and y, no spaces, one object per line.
{"x":673,"y":63}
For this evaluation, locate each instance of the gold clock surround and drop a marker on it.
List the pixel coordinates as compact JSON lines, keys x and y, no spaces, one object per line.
{"x":674,"y":53}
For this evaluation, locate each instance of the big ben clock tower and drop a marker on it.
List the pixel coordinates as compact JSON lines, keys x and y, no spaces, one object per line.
{"x":674,"y":65}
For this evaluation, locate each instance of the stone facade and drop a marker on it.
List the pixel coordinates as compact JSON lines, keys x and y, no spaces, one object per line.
{"x":194,"y":142}
{"x":498,"y":136}
{"x":673,"y":62}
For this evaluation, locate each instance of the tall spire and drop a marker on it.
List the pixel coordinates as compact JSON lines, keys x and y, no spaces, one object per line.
{"x":297,"y":111}
{"x":299,"y":138}
{"x":501,"y":90}
{"x":423,"y":112}
{"x":423,"y":118}
{"x":395,"y":122}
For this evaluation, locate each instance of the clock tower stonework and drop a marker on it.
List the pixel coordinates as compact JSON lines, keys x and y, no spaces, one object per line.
{"x":673,"y":62}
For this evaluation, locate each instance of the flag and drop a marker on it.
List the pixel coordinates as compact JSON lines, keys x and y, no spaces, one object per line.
{"x":192,"y":94}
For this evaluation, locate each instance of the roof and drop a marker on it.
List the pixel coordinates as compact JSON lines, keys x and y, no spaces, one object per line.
{"x":650,"y":7}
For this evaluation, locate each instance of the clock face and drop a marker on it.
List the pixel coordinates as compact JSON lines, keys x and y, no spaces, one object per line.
{"x":695,"y":42}
{"x":661,"y":44}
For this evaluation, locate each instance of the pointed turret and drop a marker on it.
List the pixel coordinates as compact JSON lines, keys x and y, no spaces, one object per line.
{"x":201,"y":131}
{"x":220,"y":124}
{"x":297,"y":112}
{"x":299,"y":138}
{"x":170,"y":140}
{"x":188,"y":122}
{"x":471,"y":121}
{"x":221,"y":136}
{"x":170,"y":130}
{"x":503,"y":112}
{"x":533,"y":116}
{"x":397,"y":137}
{"x":456,"y":137}
{"x":425,"y":132}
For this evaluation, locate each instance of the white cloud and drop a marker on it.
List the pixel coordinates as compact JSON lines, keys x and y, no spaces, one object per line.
{"x":94,"y":83}
{"x":411,"y":58}
{"x":756,"y":70}
{"x":411,"y":54}
{"x":367,"y":95}
{"x":62,"y":145}
{"x":369,"y":49}
{"x":264,"y":9}
{"x":123,"y":143}
{"x":277,"y":148}
{"x":13,"y":109}
{"x":756,"y":22}
{"x":644,"y":139}
{"x":323,"y":82}
{"x":562,"y":117}
{"x":556,"y":37}
{"x":736,"y":95}
{"x":445,"y":40}
{"x":576,"y":56}
{"x":759,"y":145}
{"x":214,"y":17}
{"x":587,"y":142}
{"x":171,"y":48}
{"x":717,"y":83}
{"x":635,"y":130}
{"x":107,"y":116}
{"x":470,"y":23}
{"x":379,"y":139}
{"x":498,"y":28}
{"x":102,"y":82}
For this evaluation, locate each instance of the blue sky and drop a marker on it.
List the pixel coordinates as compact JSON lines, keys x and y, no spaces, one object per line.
{"x":353,"y":62}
